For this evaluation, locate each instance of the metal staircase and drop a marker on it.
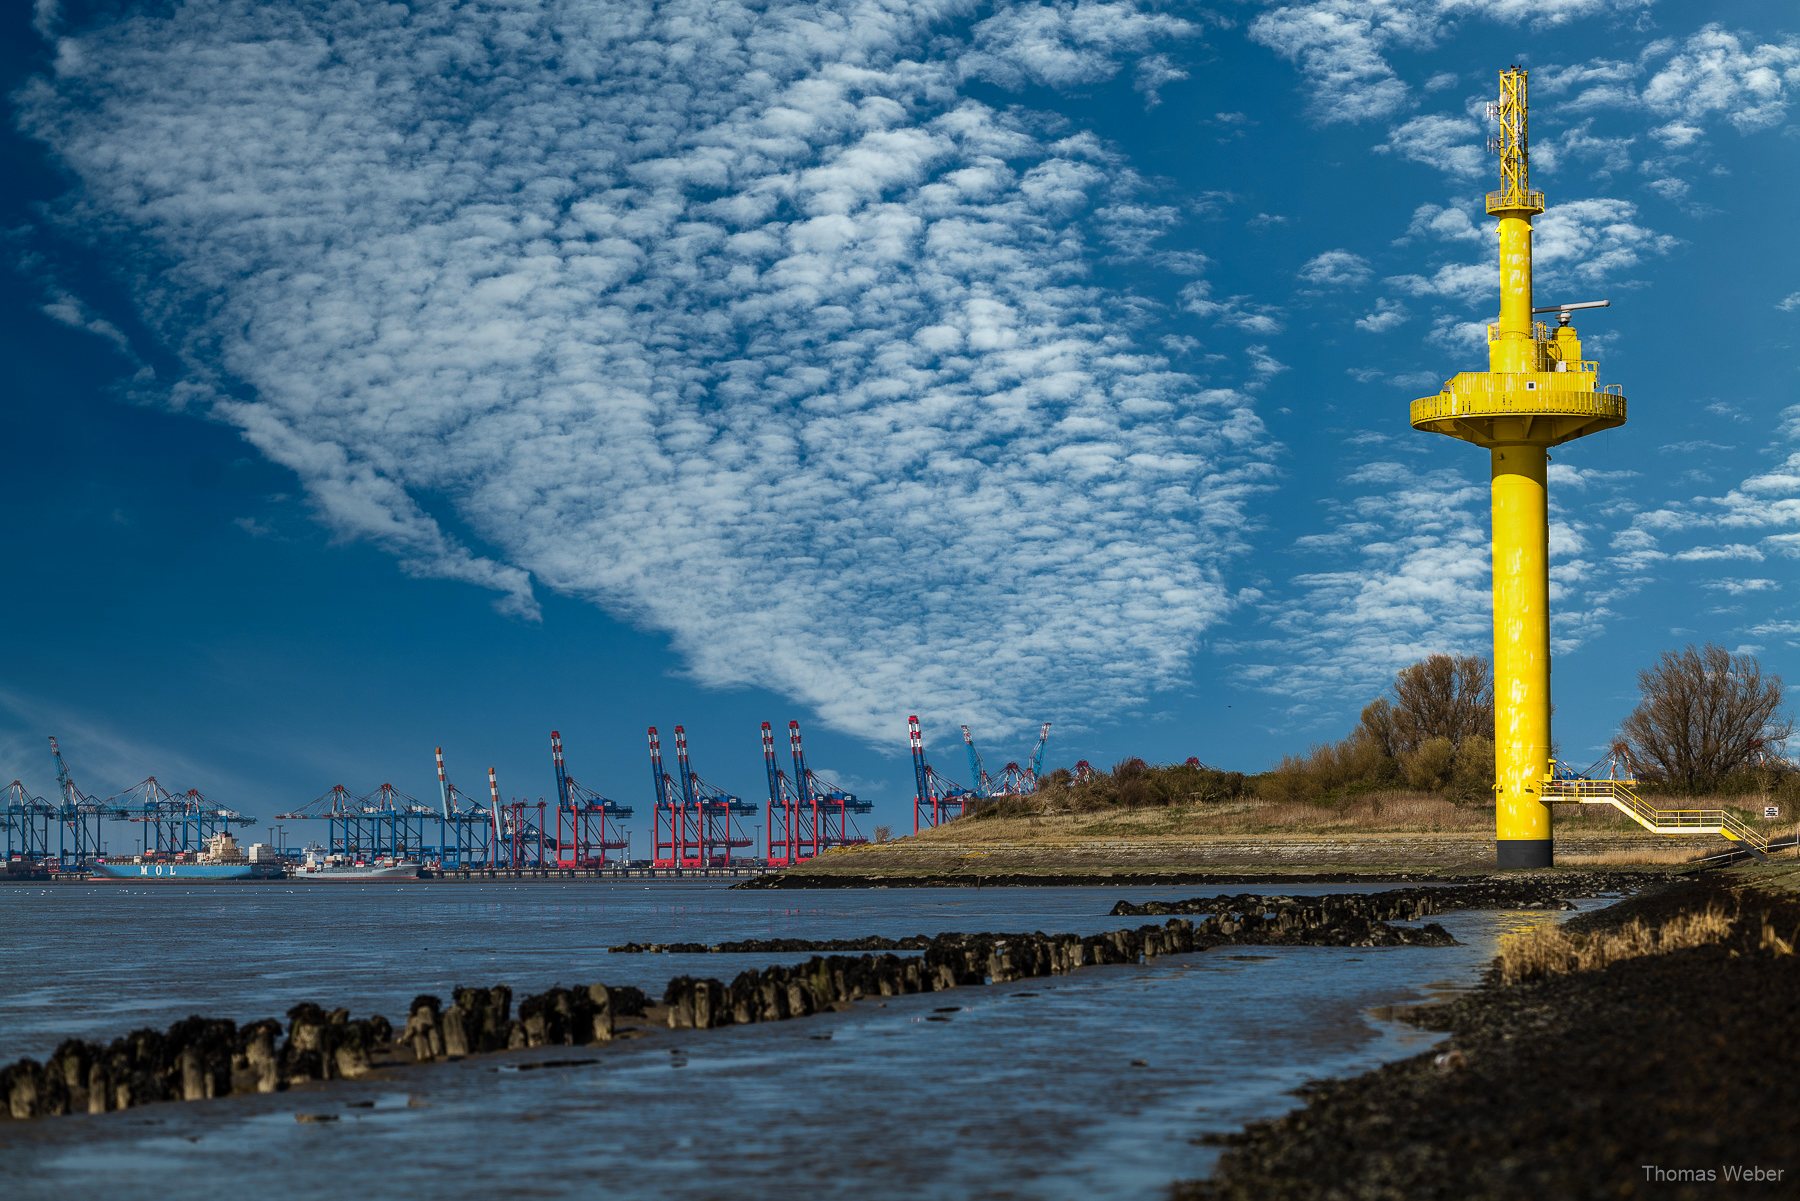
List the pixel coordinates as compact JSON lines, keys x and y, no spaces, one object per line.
{"x":1622,"y":795}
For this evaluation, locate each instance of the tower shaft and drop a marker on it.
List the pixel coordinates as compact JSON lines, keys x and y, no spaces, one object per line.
{"x":1521,"y":653}
{"x":1514,"y":345}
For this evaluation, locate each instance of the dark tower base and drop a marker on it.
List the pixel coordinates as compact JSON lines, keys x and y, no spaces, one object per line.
{"x":1524,"y":852}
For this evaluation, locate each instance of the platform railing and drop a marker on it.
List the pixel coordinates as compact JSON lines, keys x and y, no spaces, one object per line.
{"x":1478,"y":394}
{"x":1622,"y":795}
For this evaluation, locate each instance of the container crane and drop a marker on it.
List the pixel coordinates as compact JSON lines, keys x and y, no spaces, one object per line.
{"x":936,"y":799}
{"x":978,"y":773}
{"x":788,"y":826}
{"x":384,"y":823}
{"x":593,"y":820}
{"x":696,"y":823}
{"x":79,"y":817}
{"x":1014,"y":779}
{"x":1037,"y":754}
{"x":466,"y":825}
{"x":518,"y":839}
{"x":832,"y":807}
{"x":26,"y":820}
{"x":173,"y":825}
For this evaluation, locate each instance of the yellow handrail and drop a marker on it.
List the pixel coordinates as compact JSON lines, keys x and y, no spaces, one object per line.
{"x":1460,"y":399}
{"x":1621,"y":795}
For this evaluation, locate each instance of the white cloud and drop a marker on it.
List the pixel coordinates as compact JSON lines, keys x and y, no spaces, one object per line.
{"x":1677,"y":135}
{"x":1402,"y":571}
{"x":1708,"y":554}
{"x":1446,"y":223}
{"x":1240,"y":312}
{"x":1452,"y":144}
{"x":1586,"y":154}
{"x":1341,"y":46}
{"x":1711,"y":75}
{"x":737,"y":320}
{"x":1554,"y":79}
{"x":1388,"y":314}
{"x":1716,"y":74}
{"x":1466,"y":337}
{"x":1337,"y":45}
{"x":1154,"y":73}
{"x":1336,"y":269}
{"x":1789,"y":303}
{"x":1593,"y":241}
{"x":64,"y":306}
{"x":1068,"y":43}
{"x":1755,"y":520}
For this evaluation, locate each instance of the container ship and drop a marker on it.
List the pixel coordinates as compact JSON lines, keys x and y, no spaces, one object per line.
{"x":222,"y":859}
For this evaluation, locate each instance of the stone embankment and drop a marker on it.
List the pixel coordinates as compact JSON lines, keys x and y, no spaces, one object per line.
{"x":1344,"y":910}
{"x":799,"y":878}
{"x":199,"y":1058}
{"x":776,"y":946}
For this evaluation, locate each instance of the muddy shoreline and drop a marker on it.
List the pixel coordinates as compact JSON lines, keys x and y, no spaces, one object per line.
{"x":200,"y":1058}
{"x":1668,"y":1075}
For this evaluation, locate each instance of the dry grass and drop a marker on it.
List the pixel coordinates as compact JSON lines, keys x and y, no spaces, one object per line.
{"x":1635,"y":857}
{"x":1419,"y":812}
{"x":1552,"y":951}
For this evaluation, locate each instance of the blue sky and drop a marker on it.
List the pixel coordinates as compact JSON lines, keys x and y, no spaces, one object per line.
{"x":389,"y":377}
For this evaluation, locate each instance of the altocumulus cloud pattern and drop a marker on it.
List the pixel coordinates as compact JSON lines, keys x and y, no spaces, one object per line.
{"x":747,"y":323}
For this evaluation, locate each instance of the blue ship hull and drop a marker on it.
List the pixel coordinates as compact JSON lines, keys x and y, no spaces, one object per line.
{"x":186,"y":871}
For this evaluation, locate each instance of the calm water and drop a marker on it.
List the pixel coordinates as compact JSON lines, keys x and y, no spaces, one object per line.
{"x":1027,"y":1090}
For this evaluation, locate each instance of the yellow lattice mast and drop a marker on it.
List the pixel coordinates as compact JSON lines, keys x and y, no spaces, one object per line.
{"x":1537,"y":392}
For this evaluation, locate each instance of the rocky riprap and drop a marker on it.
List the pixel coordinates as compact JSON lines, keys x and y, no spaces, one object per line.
{"x":802,"y":879}
{"x":1398,"y":904}
{"x":776,"y":946}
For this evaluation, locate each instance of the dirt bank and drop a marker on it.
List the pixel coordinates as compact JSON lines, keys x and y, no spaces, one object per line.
{"x":1665,"y":1075}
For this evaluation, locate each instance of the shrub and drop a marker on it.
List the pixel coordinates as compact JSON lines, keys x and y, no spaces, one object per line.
{"x":1428,"y":766}
{"x":1472,"y":772}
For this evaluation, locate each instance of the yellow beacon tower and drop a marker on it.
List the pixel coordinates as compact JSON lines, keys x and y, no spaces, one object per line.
{"x":1537,"y":392}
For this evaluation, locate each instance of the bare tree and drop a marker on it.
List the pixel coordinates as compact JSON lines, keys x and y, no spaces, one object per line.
{"x":1704,"y":714}
{"x":1442,"y":696}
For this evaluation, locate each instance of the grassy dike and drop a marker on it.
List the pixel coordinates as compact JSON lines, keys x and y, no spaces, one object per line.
{"x":1396,"y":836}
{"x":1640,"y":1051}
